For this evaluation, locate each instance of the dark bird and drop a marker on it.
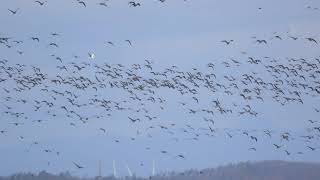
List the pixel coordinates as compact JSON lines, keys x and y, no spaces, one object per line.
{"x":111,"y":43}
{"x":78,"y":166}
{"x":134,"y":4}
{"x":287,"y":152}
{"x":312,"y":40}
{"x":294,"y":38}
{"x":14,"y":11}
{"x":41,"y":3}
{"x":311,"y":121}
{"x":254,"y":138}
{"x":181,"y":156}
{"x":278,"y":37}
{"x":129,"y":42}
{"x":82,"y":2}
{"x":54,"y":44}
{"x":227,"y":42}
{"x":35,"y":39}
{"x":103,"y":4}
{"x":102,"y":129}
{"x":277,"y":146}
{"x":261,"y":41}
{"x":134,"y":120}
{"x":55,"y":34}
{"x":311,"y":148}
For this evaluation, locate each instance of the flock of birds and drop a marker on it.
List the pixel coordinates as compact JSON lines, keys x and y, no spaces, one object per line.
{"x":75,"y":88}
{"x":84,"y":4}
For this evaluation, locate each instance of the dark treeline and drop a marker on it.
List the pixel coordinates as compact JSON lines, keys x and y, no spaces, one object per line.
{"x":266,"y":170}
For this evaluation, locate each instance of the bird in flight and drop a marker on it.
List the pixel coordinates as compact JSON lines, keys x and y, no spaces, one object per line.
{"x":78,"y":166}
{"x":103,"y":4}
{"x":261,"y":41}
{"x":227,"y":42}
{"x":102,"y":129}
{"x":277,"y":146}
{"x":55,"y":34}
{"x":134,"y":4}
{"x":54,"y":44}
{"x":35,"y":39}
{"x":311,"y":121}
{"x":111,"y":43}
{"x":91,"y":55}
{"x":312,"y":40}
{"x":311,"y":148}
{"x":294,"y":38}
{"x":14,"y":11}
{"x":41,"y":3}
{"x":82,"y":2}
{"x":129,"y":42}
{"x":181,"y":156}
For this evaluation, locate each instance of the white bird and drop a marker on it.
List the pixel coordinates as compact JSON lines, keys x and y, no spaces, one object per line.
{"x":91,"y":55}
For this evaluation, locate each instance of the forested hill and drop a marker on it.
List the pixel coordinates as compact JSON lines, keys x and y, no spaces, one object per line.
{"x":265,"y":170}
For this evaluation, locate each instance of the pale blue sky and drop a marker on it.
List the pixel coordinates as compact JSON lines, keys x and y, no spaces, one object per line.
{"x":186,"y":34}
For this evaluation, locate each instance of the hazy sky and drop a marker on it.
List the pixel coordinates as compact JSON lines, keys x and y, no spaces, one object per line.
{"x":183,"y":33}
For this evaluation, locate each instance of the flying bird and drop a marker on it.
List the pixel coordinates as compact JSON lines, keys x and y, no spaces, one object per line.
{"x":91,"y":55}
{"x":134,"y":4}
{"x":41,"y":3}
{"x":102,"y":129}
{"x":78,"y":166}
{"x":312,"y":40}
{"x":227,"y":42}
{"x":129,"y":42}
{"x":82,"y":2}
{"x":14,"y":11}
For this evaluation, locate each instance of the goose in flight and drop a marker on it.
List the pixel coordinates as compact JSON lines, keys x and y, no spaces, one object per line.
{"x":14,"y":11}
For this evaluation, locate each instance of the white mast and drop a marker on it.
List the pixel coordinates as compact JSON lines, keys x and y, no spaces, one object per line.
{"x":129,"y":171}
{"x":114,"y":169}
{"x":153,"y":168}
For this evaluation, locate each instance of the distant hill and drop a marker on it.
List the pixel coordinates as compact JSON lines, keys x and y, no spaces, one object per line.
{"x":265,"y":170}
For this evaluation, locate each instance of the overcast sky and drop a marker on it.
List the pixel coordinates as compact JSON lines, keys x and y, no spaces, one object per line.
{"x":183,"y":33}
